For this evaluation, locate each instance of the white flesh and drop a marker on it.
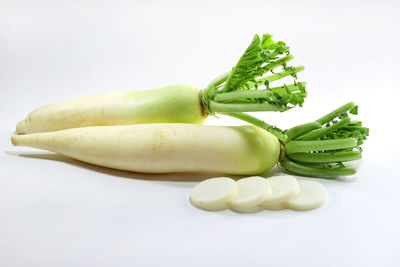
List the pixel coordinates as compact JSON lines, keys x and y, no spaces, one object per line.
{"x":251,"y":192}
{"x":312,"y":195}
{"x":273,"y":207}
{"x":284,"y":188}
{"x":213,"y":194}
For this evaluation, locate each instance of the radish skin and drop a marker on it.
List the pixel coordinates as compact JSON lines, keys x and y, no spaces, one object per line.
{"x":176,"y":103}
{"x":164,"y":148}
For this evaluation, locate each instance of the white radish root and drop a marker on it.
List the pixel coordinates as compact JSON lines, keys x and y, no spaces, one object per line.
{"x":164,"y":148}
{"x":172,"y":104}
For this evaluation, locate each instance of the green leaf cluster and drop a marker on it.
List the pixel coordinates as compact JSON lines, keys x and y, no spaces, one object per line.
{"x":247,"y":87}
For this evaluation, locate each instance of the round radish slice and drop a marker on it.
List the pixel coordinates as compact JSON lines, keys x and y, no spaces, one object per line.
{"x":251,"y":192}
{"x":273,"y":207}
{"x":284,"y":188}
{"x":213,"y":194}
{"x":311,"y":196}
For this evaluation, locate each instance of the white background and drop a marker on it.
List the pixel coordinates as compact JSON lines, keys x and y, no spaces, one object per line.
{"x":59,"y":212}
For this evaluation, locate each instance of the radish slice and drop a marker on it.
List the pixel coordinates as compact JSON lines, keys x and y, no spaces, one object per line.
{"x":250,"y":209}
{"x":252,"y":191}
{"x":284,"y":188}
{"x":311,"y":196}
{"x":273,"y":207}
{"x":213,"y":194}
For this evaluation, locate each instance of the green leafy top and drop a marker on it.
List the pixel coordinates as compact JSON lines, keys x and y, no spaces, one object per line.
{"x":247,"y":86}
{"x":317,"y":148}
{"x":259,"y":58}
{"x":323,"y":150}
{"x":321,"y":147}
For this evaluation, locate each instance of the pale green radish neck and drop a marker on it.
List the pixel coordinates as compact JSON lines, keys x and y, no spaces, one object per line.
{"x":163,"y":148}
{"x":175,"y":103}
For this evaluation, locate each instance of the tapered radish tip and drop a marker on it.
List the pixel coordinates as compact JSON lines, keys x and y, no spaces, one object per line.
{"x":20,"y":127}
{"x":14,"y":140}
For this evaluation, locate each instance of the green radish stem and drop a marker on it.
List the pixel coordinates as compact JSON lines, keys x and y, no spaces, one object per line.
{"x":262,"y":124}
{"x":220,"y":79}
{"x":315,"y":172}
{"x":225,"y":108}
{"x":255,"y":94}
{"x":326,"y":157}
{"x":319,"y":145}
{"x":278,"y":76}
{"x":319,"y":148}
{"x":301,"y":129}
{"x":247,"y":87}
{"x":317,"y":133}
{"x":331,"y":115}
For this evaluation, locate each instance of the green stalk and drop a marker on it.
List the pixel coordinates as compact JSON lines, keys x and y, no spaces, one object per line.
{"x":326,"y":157}
{"x":319,"y":158}
{"x":255,"y":121}
{"x":239,"y":107}
{"x":301,"y":129}
{"x":283,"y":90}
{"x":220,"y":79}
{"x":277,"y":76}
{"x":336,"y":145}
{"x":317,"y":172}
{"x":241,"y":95}
{"x":320,"y":145}
{"x":232,"y":91}
{"x":254,"y":94}
{"x":331,"y":115}
{"x":318,"y":133}
{"x":279,"y":62}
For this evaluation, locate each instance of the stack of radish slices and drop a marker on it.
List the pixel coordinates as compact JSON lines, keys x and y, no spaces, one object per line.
{"x":254,"y":194}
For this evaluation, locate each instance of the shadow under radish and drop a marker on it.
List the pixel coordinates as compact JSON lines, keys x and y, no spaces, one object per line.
{"x":179,"y":177}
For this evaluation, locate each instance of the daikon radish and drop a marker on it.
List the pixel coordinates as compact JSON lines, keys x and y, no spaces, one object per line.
{"x":174,"y":103}
{"x":164,"y":148}
{"x":243,"y":89}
